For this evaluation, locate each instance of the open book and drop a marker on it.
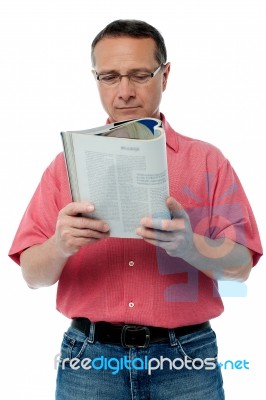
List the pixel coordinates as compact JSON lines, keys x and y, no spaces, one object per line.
{"x":122,"y":169}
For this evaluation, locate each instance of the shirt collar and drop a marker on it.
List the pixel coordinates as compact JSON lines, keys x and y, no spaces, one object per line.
{"x":171,"y":135}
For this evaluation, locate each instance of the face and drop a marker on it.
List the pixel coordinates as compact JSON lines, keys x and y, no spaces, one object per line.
{"x":126,"y":99}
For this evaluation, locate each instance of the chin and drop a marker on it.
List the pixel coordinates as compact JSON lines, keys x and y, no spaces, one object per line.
{"x":132,"y":114}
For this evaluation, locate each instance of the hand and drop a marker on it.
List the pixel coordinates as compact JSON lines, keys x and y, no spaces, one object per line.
{"x":175,"y":236}
{"x":74,"y":231}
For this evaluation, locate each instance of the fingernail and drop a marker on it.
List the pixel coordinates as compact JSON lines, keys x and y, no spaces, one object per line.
{"x":106,"y":227}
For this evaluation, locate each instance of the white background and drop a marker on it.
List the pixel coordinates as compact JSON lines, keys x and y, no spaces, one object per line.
{"x":216,"y":92}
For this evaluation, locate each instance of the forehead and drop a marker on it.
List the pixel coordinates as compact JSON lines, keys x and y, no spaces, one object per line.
{"x":124,"y":52}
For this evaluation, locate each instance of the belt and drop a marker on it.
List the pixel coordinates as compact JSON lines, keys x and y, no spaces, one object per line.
{"x":132,"y":335}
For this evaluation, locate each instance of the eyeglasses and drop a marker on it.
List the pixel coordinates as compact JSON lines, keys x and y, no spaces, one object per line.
{"x":135,"y":77}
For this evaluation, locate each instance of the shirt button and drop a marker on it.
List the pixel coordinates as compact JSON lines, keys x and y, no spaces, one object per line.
{"x":131,"y":263}
{"x":131,"y":304}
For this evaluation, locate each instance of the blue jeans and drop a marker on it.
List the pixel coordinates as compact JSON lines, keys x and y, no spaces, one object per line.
{"x":184,"y":369}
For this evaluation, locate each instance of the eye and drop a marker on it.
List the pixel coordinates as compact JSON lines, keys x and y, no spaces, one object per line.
{"x":140,"y":77}
{"x":110,"y":78}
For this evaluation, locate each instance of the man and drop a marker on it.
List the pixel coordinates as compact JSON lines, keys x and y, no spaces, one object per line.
{"x":140,"y":309}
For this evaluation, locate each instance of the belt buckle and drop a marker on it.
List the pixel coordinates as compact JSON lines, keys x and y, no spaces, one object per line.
{"x":135,"y":328}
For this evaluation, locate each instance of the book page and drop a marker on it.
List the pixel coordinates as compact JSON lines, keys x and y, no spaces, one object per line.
{"x":125,"y":179}
{"x":134,"y":130}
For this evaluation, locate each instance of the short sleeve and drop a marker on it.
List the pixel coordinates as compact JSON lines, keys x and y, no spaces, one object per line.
{"x":39,"y":220}
{"x":231,"y":215}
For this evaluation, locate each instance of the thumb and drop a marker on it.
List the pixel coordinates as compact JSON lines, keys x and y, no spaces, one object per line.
{"x":177,"y":211}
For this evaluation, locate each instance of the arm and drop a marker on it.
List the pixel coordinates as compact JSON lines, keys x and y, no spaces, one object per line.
{"x":218,"y":259}
{"x":43,"y":264}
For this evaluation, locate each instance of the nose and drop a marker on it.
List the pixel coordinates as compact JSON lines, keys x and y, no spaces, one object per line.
{"x":126,"y":90}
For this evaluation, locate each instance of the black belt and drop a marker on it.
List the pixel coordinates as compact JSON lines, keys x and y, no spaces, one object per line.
{"x":132,"y":335}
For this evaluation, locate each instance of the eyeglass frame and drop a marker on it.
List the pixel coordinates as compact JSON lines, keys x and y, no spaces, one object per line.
{"x":150,"y":75}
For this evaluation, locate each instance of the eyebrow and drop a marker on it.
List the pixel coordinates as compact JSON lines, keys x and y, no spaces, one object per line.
{"x":131,"y":71}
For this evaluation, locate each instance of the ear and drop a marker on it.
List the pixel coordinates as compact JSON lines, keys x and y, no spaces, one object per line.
{"x":166,"y":74}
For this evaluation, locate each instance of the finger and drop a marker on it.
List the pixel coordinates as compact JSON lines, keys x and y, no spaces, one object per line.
{"x":73,"y":245}
{"x":87,"y":234}
{"x":72,"y":239}
{"x":89,"y":223}
{"x":177,"y":211}
{"x":157,"y":235}
{"x":71,"y":216}
{"x":163,"y":224}
{"x":76,"y":208}
{"x":168,"y":246}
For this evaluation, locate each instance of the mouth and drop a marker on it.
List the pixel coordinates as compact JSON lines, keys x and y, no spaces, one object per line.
{"x":127,"y":108}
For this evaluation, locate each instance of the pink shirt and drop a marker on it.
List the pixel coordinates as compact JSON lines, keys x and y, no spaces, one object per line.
{"x":128,"y":280}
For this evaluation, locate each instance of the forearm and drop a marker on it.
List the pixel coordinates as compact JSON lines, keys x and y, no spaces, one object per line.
{"x":42,"y":264}
{"x":220,"y":259}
